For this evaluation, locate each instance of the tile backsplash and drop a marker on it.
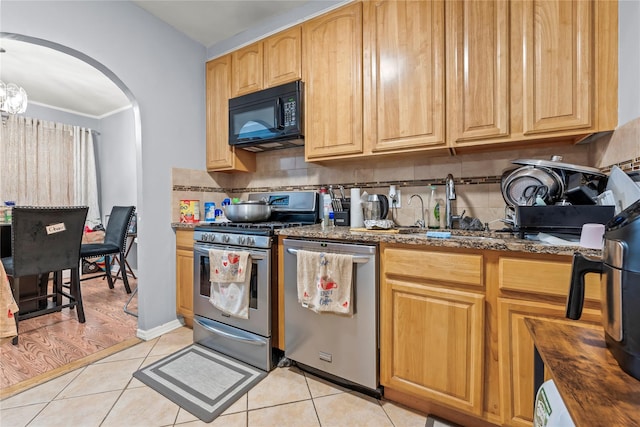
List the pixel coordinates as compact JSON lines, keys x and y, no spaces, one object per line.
{"x":477,"y":176}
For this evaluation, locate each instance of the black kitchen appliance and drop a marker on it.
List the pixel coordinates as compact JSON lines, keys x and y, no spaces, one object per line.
{"x":565,"y":219}
{"x":620,"y":286}
{"x":269,"y":119}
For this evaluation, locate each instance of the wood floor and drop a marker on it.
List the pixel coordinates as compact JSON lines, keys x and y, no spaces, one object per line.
{"x":50,"y":342}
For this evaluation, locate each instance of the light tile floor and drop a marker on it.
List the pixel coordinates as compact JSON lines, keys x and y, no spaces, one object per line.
{"x":105,"y":394}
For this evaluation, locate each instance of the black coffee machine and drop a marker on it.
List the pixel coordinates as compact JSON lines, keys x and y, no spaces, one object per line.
{"x":620,"y":284}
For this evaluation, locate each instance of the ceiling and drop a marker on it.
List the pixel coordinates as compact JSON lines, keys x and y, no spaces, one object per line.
{"x":58,"y":80}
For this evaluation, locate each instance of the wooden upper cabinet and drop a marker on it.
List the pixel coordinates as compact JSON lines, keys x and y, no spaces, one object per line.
{"x":221,"y":156}
{"x":247,"y":70}
{"x":530,"y":70}
{"x":558,"y":69}
{"x":271,"y":62}
{"x":478,"y":104}
{"x":404,"y":75}
{"x":332,"y":73}
{"x":283,"y":57}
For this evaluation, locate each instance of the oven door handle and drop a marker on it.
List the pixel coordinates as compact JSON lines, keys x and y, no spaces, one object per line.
{"x":217,"y":331}
{"x":357,"y":259}
{"x":254,"y":255}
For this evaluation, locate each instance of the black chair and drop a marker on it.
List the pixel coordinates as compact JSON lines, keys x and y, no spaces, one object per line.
{"x":44,"y":240}
{"x":115,"y":239}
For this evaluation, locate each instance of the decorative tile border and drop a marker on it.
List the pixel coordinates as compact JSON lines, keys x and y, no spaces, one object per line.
{"x":627,"y":166}
{"x":348,"y":185}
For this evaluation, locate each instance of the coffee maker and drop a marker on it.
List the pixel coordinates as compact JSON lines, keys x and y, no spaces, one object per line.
{"x":619,"y":270}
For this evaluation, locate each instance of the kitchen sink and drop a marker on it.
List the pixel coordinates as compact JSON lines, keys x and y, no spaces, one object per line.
{"x":418,"y":230}
{"x":462,"y":237}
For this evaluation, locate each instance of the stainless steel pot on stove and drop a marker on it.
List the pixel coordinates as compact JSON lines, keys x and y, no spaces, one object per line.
{"x":248,"y":211}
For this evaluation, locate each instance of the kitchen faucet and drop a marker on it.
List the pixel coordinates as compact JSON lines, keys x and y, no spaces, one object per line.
{"x":419,"y":222}
{"x":451,"y":195}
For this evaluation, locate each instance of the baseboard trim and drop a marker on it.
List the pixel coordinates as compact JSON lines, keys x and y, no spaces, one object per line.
{"x":150,"y":334}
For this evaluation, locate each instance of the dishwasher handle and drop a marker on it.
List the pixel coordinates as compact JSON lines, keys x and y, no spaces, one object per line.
{"x":357,"y":259}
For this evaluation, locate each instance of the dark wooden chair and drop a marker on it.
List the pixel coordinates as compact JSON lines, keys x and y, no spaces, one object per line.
{"x":45,"y":240}
{"x":115,"y":240}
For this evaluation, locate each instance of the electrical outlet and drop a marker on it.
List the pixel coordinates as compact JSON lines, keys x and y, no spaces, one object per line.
{"x":395,"y":200}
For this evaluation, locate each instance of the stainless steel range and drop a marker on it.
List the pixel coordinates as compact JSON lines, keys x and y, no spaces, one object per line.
{"x":248,"y":340}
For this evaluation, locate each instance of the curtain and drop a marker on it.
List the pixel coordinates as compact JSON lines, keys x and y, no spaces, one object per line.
{"x":44,"y":163}
{"x":84,"y":173}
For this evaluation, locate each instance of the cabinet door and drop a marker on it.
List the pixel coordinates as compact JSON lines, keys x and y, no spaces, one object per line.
{"x":221,"y":156}
{"x":184,"y":278}
{"x":283,"y":57}
{"x":404,"y":69}
{"x":515,"y":352}
{"x":558,"y":53}
{"x":184,"y":275}
{"x":432,"y":343}
{"x":332,"y":70}
{"x":246,"y":64}
{"x":478,"y":104}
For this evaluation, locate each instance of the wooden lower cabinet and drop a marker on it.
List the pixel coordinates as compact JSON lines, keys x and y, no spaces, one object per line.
{"x":432,"y":338}
{"x":453,"y":341}
{"x":516,"y":354}
{"x":184,"y":275}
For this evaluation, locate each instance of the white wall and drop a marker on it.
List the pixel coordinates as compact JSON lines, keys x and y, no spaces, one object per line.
{"x":117,"y":159}
{"x":117,"y":167}
{"x":37,"y":111}
{"x":164,"y":71}
{"x":273,"y":25}
{"x":628,"y":60}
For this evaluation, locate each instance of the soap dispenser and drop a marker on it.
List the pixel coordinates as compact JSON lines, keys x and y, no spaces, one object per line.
{"x":435,"y":206}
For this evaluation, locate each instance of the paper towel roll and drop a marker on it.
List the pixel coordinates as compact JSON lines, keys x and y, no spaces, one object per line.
{"x":355,"y":213}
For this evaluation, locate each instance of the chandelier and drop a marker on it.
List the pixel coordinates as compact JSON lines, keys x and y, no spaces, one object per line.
{"x":13,"y":99}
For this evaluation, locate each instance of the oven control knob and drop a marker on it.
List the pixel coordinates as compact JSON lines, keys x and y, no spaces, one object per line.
{"x":241,"y":240}
{"x":251,"y":241}
{"x":211,"y":237}
{"x":225,"y":238}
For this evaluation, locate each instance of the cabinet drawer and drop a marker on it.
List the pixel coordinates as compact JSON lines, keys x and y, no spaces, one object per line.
{"x":543,"y":277}
{"x":432,"y":265}
{"x":184,"y":239}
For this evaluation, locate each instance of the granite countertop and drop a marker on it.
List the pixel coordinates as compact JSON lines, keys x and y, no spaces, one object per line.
{"x":487,"y":240}
{"x":490,"y":240}
{"x":187,"y":225}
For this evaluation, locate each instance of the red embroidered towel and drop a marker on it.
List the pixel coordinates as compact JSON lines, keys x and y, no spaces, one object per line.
{"x":324,"y":282}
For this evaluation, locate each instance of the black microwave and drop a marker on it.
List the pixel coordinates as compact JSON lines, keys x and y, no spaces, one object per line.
{"x":267,"y":120}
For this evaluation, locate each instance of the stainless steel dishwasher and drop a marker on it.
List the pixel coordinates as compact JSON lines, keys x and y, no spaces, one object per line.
{"x":346,"y":348}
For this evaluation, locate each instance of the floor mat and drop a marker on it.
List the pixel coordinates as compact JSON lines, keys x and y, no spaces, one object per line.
{"x":200,"y":380}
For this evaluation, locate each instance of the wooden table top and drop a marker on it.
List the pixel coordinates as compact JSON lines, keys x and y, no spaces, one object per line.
{"x":596,"y":391}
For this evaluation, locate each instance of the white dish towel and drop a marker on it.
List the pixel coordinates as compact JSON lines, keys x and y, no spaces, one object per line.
{"x":230,"y":276}
{"x":324,"y":282}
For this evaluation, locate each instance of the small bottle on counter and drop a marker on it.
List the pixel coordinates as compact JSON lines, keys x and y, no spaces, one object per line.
{"x":325,"y":218}
{"x":8,"y":213}
{"x":434,"y":210}
{"x":332,"y":221}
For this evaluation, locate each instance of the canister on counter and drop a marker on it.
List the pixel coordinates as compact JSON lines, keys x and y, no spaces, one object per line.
{"x":189,"y":211}
{"x":209,"y":211}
